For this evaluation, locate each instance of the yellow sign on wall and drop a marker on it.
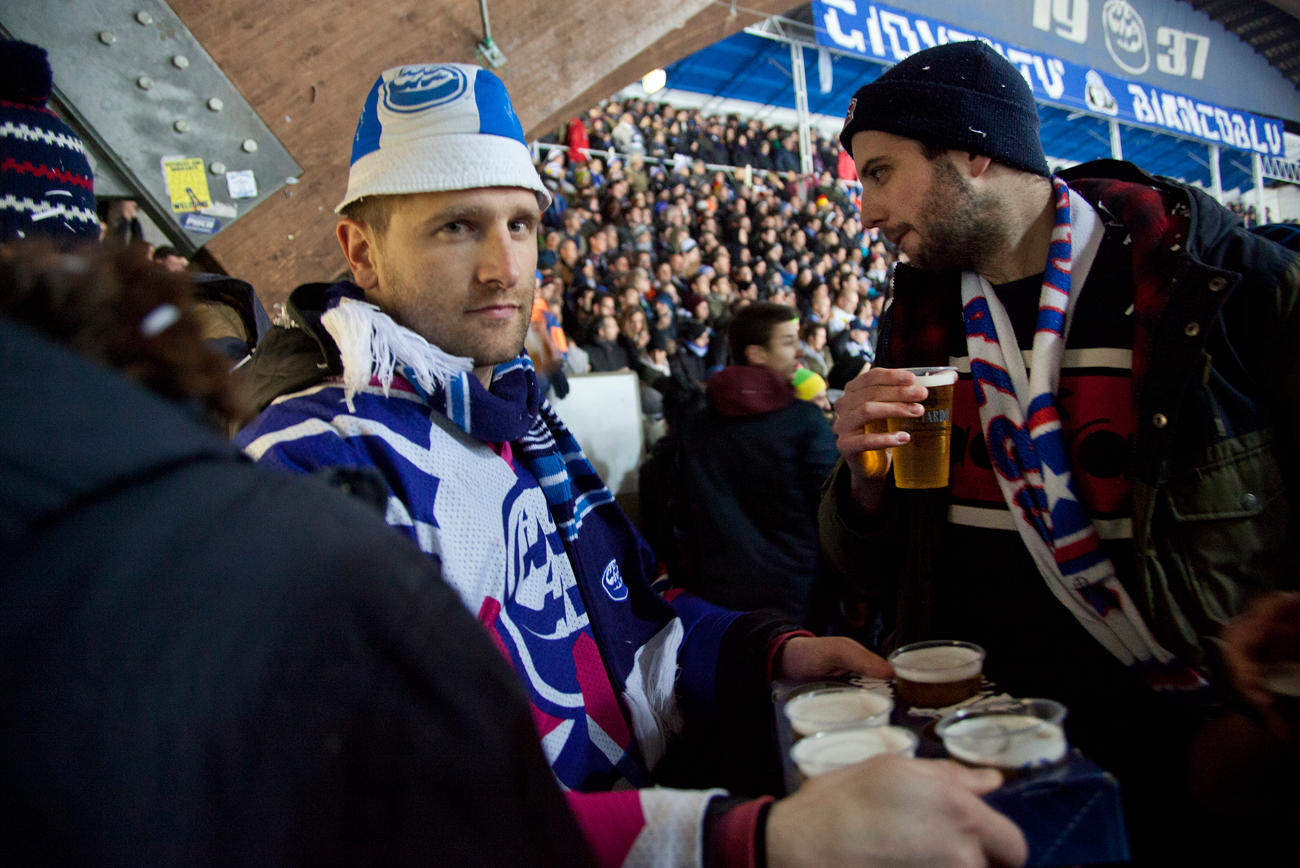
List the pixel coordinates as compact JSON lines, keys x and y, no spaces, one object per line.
{"x":187,"y":184}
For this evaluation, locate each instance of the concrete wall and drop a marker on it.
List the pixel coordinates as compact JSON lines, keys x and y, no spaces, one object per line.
{"x":306,"y":68}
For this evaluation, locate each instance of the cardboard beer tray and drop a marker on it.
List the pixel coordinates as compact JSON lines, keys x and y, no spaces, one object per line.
{"x":1070,"y":814}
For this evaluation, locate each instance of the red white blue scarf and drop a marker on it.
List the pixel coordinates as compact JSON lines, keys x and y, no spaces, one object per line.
{"x":1026,"y":442}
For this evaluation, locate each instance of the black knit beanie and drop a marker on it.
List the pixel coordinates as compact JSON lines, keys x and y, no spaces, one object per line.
{"x":46,"y":185}
{"x":963,"y":95}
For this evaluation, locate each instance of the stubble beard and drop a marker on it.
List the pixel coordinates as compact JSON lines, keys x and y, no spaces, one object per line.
{"x":962,"y":229}
{"x":487,"y":344}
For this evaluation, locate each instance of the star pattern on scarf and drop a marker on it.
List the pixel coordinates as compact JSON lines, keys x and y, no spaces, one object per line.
{"x":1057,"y":487}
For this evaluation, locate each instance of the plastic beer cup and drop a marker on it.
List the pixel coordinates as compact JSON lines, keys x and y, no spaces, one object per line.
{"x":937,"y":673}
{"x":1014,"y":735}
{"x":875,"y":462}
{"x":922,"y":462}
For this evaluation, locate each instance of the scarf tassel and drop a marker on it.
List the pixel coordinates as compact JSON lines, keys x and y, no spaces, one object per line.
{"x":371,"y":345}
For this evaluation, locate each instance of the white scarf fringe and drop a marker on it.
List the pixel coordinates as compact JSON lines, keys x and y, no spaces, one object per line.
{"x":649,"y":694}
{"x":372,"y":344}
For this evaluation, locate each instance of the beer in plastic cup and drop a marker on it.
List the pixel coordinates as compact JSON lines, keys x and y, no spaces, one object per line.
{"x":836,"y":706}
{"x":1016,"y":735}
{"x":922,"y":462}
{"x":937,"y":673}
{"x":875,"y":462}
{"x":827,"y":751}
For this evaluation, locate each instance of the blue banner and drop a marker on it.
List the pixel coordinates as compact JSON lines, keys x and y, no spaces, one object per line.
{"x":884,"y":33}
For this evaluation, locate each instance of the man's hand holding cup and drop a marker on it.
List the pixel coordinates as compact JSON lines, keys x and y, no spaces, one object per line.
{"x":885,"y":408}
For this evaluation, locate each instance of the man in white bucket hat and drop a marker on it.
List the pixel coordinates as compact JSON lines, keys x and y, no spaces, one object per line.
{"x":414,"y":369}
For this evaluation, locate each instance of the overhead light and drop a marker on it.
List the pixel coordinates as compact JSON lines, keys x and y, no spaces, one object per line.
{"x":654,"y":80}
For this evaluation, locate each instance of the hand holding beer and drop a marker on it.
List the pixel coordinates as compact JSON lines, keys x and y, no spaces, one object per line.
{"x":888,"y":408}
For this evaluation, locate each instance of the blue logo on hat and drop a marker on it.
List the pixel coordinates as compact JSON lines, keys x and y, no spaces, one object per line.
{"x":416,"y":88}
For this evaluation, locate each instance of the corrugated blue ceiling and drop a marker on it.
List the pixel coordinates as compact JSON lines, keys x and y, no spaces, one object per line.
{"x":752,"y":68}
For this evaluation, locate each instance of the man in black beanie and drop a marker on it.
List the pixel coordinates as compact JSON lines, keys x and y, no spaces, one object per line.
{"x":1120,"y":484}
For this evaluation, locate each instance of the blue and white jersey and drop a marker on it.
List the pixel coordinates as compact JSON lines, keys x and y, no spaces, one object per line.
{"x":489,"y":526}
{"x":491,"y":484}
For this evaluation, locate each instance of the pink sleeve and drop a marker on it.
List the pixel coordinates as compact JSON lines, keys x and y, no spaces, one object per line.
{"x":609,"y":821}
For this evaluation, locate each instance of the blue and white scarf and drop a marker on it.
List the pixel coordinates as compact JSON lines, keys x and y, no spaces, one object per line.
{"x":1026,"y":442}
{"x":372,"y":345}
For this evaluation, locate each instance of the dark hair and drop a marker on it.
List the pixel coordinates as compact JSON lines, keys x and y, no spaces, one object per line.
{"x":373,"y":211}
{"x":161,"y":253}
{"x":932,"y":151}
{"x":116,"y":307}
{"x":752,"y":325}
{"x":807,"y":328}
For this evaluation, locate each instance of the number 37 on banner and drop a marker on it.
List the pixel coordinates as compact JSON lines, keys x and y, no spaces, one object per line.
{"x":1177,"y":52}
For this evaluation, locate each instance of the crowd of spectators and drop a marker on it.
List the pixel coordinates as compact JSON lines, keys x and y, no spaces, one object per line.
{"x":1250,"y":216}
{"x":666,"y":221}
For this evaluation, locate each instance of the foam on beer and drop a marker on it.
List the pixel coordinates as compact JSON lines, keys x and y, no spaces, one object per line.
{"x":828,"y":751}
{"x":939,"y":664}
{"x":944,"y":377}
{"x":1005,"y":741}
{"x":836,"y":708}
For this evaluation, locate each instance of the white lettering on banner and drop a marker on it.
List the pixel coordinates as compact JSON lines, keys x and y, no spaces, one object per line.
{"x":1239,"y":132}
{"x":1051,"y":72}
{"x":1169,"y":108}
{"x":1191,"y":117}
{"x":1179,"y":113}
{"x":1206,"y":113}
{"x":1173,"y":60}
{"x":896,"y":27}
{"x":1224,"y":122}
{"x":1276,"y":144}
{"x":1023,"y":61}
{"x":851,"y":39}
{"x":923,"y":34}
{"x":873,"y":32}
{"x":878,"y":31}
{"x":1181,"y":53}
{"x":1263,"y":147}
{"x":1068,"y":19}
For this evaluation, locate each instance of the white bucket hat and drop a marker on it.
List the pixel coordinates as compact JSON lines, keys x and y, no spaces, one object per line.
{"x":444,"y":126}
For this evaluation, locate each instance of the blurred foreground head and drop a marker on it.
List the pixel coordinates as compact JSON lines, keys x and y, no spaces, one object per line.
{"x":118,"y":308}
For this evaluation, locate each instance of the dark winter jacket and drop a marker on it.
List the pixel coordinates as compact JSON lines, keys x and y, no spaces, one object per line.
{"x":747,"y":483}
{"x":606,"y":356}
{"x":207,"y":663}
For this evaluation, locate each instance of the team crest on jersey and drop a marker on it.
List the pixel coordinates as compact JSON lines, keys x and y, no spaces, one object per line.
{"x":612,"y":581}
{"x":541,"y":589}
{"x":541,"y":613}
{"x":415,"y":88}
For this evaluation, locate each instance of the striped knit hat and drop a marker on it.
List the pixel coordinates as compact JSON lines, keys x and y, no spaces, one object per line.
{"x":46,"y":186}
